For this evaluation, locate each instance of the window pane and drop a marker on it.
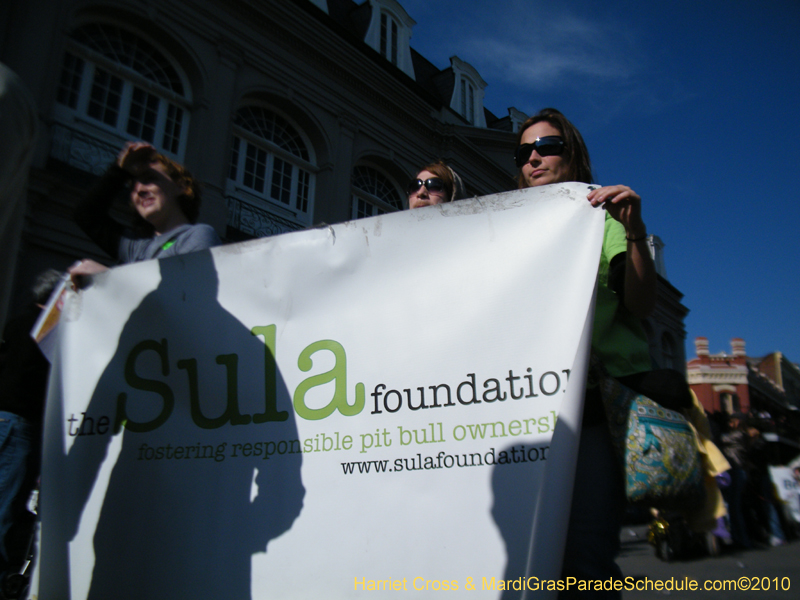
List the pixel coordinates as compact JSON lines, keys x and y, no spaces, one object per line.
{"x":363,"y":208}
{"x":143,"y":115}
{"x":255,"y":168}
{"x":70,"y":83}
{"x":471,"y":105}
{"x":384,"y":35}
{"x":376,"y":184}
{"x":281,"y":180}
{"x":302,"y":190}
{"x":105,"y":97}
{"x":394,"y":42}
{"x":273,"y":128}
{"x":131,"y":51}
{"x":172,"y":128}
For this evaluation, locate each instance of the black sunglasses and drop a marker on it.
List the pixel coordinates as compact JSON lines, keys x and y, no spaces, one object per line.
{"x":550,"y":145}
{"x":434,"y":184}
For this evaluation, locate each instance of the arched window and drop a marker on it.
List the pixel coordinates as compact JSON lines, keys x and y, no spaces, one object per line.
{"x":729,"y":402}
{"x":389,"y":33}
{"x":272,"y":168}
{"x":124,"y":85}
{"x":374,"y":193}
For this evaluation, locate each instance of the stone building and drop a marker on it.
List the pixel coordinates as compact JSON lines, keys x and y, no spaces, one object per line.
{"x":665,"y":328}
{"x":290,"y":112}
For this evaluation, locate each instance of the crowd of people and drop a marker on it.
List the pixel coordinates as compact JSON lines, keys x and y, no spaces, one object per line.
{"x":550,"y":150}
{"x":755,"y":512}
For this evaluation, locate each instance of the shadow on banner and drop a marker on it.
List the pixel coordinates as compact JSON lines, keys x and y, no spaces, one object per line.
{"x":532,"y":512}
{"x":184,"y":510}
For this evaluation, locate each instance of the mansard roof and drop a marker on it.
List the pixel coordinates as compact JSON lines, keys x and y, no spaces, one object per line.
{"x":431,"y":83}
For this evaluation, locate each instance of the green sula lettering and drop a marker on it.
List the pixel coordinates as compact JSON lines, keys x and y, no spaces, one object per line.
{"x":231,"y":414}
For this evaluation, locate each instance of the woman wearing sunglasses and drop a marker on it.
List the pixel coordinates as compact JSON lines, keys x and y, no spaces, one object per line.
{"x":551,"y":150}
{"x":434,"y":184}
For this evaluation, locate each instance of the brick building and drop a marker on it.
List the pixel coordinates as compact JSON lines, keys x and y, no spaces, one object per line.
{"x":733,"y":382}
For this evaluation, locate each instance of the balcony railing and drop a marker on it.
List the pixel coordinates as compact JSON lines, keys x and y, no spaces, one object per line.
{"x":250,"y":218}
{"x":82,"y":150}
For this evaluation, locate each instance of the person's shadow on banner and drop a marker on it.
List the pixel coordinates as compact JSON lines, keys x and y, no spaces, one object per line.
{"x":191,"y":500}
{"x":515,"y":490}
{"x":520,"y":492}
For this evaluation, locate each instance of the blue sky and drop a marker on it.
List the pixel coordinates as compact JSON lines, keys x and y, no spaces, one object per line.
{"x":692,"y":104}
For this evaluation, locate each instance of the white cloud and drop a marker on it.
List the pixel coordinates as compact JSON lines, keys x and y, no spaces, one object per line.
{"x":556,"y":52}
{"x":533,"y":53}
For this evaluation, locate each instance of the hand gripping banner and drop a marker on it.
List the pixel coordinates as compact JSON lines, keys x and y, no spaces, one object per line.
{"x":380,"y":407}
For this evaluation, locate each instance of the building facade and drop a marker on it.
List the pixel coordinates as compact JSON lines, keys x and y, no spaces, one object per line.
{"x":720,"y":381}
{"x":734,"y":382}
{"x":290,"y":112}
{"x":665,"y":328}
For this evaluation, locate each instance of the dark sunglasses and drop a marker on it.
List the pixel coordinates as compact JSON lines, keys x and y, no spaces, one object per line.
{"x":146,"y":177}
{"x":550,"y":145}
{"x":434,"y":184}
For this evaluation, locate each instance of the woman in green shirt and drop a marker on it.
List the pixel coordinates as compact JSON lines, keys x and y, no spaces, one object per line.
{"x":551,"y":150}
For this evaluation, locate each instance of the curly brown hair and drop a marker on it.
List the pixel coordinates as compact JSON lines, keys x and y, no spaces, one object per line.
{"x":189,"y":200}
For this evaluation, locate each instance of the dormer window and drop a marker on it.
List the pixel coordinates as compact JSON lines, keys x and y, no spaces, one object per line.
{"x":389,"y":33}
{"x":389,"y":38}
{"x":467,"y":99}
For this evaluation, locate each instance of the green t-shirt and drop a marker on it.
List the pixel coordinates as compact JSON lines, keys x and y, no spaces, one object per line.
{"x":618,"y":337}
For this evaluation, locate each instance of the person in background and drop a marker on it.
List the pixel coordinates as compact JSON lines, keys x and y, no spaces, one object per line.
{"x":734,"y":445}
{"x":167,"y":201}
{"x":762,"y":488}
{"x":23,"y":386}
{"x":551,"y":150}
{"x":434,"y":184}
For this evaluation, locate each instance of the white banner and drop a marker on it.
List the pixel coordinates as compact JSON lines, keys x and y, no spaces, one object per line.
{"x":788,"y":489}
{"x":415,"y":431}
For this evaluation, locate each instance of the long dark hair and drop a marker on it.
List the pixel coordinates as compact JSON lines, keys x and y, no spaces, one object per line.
{"x":575,"y":152}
